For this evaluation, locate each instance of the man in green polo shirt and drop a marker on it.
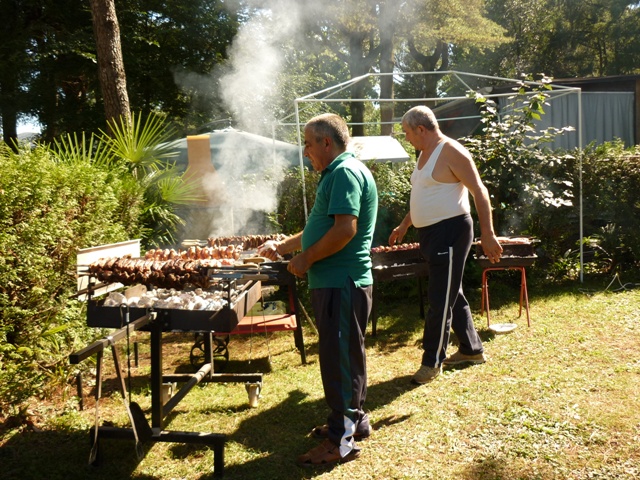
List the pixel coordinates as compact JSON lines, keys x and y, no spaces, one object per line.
{"x":335,"y":255}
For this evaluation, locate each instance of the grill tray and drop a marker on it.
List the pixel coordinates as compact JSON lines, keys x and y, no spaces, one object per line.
{"x":511,"y":249}
{"x":506,"y":262}
{"x":222,"y":321}
{"x":396,"y":257}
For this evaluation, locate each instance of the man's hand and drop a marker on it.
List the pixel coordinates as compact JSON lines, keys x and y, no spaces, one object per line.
{"x":269,"y":249}
{"x":491,"y":247}
{"x":397,"y":234}
{"x":299,"y":265}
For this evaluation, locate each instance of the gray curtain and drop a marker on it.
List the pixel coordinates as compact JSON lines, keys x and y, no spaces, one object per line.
{"x":606,"y":116}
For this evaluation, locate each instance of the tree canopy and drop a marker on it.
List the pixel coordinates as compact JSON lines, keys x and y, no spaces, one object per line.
{"x":188,"y":61}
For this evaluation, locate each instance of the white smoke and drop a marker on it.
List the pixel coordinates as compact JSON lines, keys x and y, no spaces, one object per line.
{"x":257,"y":59}
{"x":246,"y":181}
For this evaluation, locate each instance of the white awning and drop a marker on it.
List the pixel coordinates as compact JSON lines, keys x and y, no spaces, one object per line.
{"x":378,"y":148}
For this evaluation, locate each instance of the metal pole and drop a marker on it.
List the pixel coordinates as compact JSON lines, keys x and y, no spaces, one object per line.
{"x":580,"y":181}
{"x":301,"y":156}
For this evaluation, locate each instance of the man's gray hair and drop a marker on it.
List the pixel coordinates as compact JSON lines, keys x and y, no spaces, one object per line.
{"x":420,"y":116}
{"x":332,"y":126}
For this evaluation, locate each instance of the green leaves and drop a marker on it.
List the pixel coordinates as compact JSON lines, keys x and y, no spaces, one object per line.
{"x":52,"y":202}
{"x":512,"y":156}
{"x":85,"y":190}
{"x":139,"y":145}
{"x":143,"y":150}
{"x":137,"y":156}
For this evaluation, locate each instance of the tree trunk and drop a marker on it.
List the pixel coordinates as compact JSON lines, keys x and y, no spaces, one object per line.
{"x":10,"y":66}
{"x":113,"y":81}
{"x":386,"y":91}
{"x":9,"y":109}
{"x":359,"y":64}
{"x":429,"y":64}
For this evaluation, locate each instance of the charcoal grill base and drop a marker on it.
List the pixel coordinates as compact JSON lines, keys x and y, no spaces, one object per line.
{"x":156,"y":323}
{"x":416,"y":269}
{"x":220,"y":351}
{"x":214,"y":440}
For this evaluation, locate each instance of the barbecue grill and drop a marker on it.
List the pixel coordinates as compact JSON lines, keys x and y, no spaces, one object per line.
{"x":239,"y":288}
{"x":396,"y":263}
{"x":517,"y":254}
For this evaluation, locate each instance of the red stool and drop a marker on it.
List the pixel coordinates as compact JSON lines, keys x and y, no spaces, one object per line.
{"x":523,"y":291}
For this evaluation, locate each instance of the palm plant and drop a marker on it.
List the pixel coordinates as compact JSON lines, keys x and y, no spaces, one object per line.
{"x":139,"y":149}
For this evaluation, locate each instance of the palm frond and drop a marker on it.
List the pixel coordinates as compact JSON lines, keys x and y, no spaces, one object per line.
{"x":72,"y":149}
{"x":162,"y":224}
{"x":141,"y":145}
{"x":175,"y":190}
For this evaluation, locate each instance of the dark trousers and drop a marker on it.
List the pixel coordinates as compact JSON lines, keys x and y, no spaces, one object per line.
{"x":341,"y":316}
{"x":445,"y":246}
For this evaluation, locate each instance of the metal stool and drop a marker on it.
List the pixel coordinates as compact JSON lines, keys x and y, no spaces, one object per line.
{"x":523,"y":291}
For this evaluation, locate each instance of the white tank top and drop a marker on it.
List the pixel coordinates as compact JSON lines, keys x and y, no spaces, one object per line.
{"x":433,"y":201}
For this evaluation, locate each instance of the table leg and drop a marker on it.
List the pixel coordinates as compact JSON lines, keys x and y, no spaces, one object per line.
{"x":484,"y":303}
{"x":526,"y":295}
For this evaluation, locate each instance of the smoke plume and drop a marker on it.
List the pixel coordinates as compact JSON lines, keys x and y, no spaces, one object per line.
{"x":245,"y":181}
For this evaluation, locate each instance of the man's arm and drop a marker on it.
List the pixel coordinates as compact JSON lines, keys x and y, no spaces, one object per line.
{"x":398,"y":233}
{"x":462,"y":166}
{"x":343,"y":230}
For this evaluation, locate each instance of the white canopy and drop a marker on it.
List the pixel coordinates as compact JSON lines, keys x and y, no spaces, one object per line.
{"x":381,"y":148}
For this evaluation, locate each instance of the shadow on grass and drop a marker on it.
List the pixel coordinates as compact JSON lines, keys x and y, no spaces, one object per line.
{"x":399,"y":317}
{"x":277,"y":436}
{"x":498,"y":469}
{"x":57,"y":455}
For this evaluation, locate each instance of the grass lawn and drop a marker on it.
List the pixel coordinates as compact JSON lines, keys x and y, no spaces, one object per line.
{"x":557,"y":400}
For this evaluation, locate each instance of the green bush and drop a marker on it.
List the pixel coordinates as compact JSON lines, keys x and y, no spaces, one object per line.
{"x":536,"y":191}
{"x":48,"y":210}
{"x":394,"y":190}
{"x":290,"y":214}
{"x":515,"y":161}
{"x":611,"y":205}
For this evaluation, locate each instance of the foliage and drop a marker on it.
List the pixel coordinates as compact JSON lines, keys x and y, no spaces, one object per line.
{"x":48,"y":210}
{"x":431,"y":31}
{"x":175,"y":52}
{"x":170,"y":50}
{"x":81,"y":192}
{"x":393,"y":185}
{"x":535,"y":191}
{"x":526,"y":180}
{"x":140,"y":150}
{"x":611,"y":206}
{"x":532,"y":187}
{"x":290,"y":214}
{"x":394,"y":189}
{"x":562,"y":39}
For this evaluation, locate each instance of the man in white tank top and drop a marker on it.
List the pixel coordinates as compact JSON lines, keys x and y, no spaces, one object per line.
{"x":444,"y":176}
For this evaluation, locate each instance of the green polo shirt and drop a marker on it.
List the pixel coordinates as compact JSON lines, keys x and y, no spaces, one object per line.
{"x":346,"y":187}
